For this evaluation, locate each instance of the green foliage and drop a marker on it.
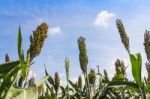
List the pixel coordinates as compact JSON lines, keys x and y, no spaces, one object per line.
{"x":136,"y":63}
{"x":67,"y":66}
{"x":83,"y":58}
{"x":7,"y":67}
{"x":15,"y":85}
{"x":13,"y":76}
{"x":82,"y":54}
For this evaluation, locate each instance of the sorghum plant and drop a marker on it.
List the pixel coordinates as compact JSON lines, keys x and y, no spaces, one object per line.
{"x":83,"y":58}
{"x":92,"y":81}
{"x":147,"y":44}
{"x":148,"y":70}
{"x":13,"y":83}
{"x":123,"y":35}
{"x":80,"y":82}
{"x":37,"y":40}
{"x":120,"y":68}
{"x":7,"y":58}
{"x":67,"y":66}
{"x":57,"y":83}
{"x":147,"y":51}
{"x":136,"y":60}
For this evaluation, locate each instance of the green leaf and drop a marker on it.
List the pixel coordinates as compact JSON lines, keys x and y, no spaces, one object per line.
{"x":50,"y":79}
{"x":120,"y":83}
{"x":136,"y":62}
{"x":118,"y":77}
{"x":74,"y":86}
{"x":7,"y":67}
{"x":20,"y":49}
{"x":50,"y":89}
{"x":20,"y":93}
{"x":42,"y":81}
{"x":63,"y":91}
{"x":8,"y":81}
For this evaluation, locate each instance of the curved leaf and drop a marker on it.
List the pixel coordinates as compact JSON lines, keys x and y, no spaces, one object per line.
{"x":120,"y":83}
{"x":136,"y":62}
{"x":39,"y":83}
{"x":7,"y":67}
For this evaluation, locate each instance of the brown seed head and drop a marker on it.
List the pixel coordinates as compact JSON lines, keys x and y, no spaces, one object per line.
{"x":57,"y":81}
{"x":119,"y":63}
{"x":92,"y":77}
{"x":7,"y":58}
{"x":37,"y":40}
{"x":32,"y":81}
{"x":148,"y":70}
{"x":120,"y":68}
{"x":147,"y":66}
{"x":80,"y":82}
{"x":123,"y":35}
{"x":82,"y":54}
{"x":147,"y":44}
{"x":40,"y":88}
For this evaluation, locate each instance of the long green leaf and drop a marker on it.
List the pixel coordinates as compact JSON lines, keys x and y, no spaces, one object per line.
{"x":7,"y":67}
{"x":50,"y":89}
{"x":20,"y":93}
{"x":74,"y":86}
{"x":42,"y":81}
{"x":20,"y":49}
{"x":120,"y":83}
{"x":136,"y":62}
{"x":50,"y":79}
{"x":8,"y":82}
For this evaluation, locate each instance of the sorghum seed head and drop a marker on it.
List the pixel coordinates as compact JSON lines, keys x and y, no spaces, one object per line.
{"x":123,"y":35}
{"x":148,"y":70}
{"x":120,"y":68}
{"x":7,"y":58}
{"x":82,"y":54}
{"x":57,"y":81}
{"x":80,"y":81}
{"x":32,"y":81}
{"x":147,"y":66}
{"x":67,"y":65}
{"x":92,"y":77}
{"x":119,"y":63}
{"x":37,"y":40}
{"x":147,"y":44}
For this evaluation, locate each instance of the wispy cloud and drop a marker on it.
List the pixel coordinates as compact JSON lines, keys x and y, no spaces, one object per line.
{"x":103,"y":18}
{"x":54,"y":31}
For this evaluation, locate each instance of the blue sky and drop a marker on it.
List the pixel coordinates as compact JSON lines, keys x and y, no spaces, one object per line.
{"x":69,"y":19}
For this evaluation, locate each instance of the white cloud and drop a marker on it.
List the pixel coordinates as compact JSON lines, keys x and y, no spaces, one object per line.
{"x":103,"y":18}
{"x":55,"y":30}
{"x":40,"y":20}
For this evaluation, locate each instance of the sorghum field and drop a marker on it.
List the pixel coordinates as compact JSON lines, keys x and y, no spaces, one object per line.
{"x":15,"y":85}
